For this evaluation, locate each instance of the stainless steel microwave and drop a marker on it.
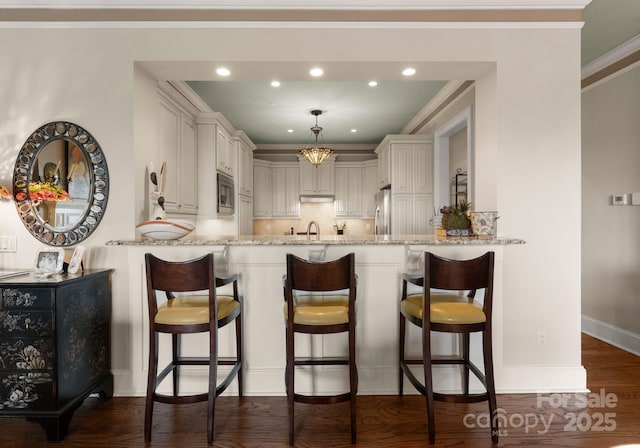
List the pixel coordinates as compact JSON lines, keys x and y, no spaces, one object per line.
{"x":225,"y":195}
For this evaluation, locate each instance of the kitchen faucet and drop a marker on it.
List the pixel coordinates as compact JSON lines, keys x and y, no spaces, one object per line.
{"x":309,"y":230}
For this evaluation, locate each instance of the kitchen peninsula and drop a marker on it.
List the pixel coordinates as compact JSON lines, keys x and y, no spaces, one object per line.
{"x":260,"y":263}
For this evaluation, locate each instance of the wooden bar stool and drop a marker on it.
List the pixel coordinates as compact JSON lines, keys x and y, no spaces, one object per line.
{"x":450,"y":314}
{"x":185,"y":314}
{"x":308,"y":311}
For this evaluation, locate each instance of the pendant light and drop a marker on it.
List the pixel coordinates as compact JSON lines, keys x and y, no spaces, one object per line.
{"x":316,"y":154}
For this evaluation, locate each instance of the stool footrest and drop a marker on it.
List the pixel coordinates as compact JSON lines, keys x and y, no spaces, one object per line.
{"x":326,"y":361}
{"x":322,"y":399}
{"x":461,"y":398}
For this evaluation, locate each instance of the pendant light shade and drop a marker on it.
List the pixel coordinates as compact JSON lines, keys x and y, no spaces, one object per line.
{"x":316,"y":154}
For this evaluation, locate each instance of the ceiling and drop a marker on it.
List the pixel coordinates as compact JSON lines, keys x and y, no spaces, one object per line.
{"x":265,"y":113}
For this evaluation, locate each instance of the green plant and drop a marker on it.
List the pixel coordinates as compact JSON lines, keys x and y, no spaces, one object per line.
{"x":456,"y":217}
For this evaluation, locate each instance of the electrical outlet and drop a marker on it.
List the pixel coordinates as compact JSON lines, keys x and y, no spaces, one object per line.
{"x":542,"y":338}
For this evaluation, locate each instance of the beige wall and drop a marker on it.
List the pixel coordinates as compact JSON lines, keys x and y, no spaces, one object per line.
{"x":611,"y":234}
{"x":527,"y":114}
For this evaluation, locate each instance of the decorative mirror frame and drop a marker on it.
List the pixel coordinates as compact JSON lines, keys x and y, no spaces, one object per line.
{"x":98,"y":176}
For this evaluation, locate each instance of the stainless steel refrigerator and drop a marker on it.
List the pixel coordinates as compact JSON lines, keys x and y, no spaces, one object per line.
{"x":382,"y":222}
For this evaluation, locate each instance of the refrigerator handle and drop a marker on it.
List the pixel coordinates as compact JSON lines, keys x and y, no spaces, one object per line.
{"x":376,"y":220}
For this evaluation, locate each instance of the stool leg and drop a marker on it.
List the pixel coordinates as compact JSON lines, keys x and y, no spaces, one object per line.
{"x":465,"y":357}
{"x":175,"y":350}
{"x":491,"y":388}
{"x":353,"y":378}
{"x":213,"y":380}
{"x":428,"y":382}
{"x":402,"y":326}
{"x":290,"y":374}
{"x":151,"y":384}
{"x":239,"y":352}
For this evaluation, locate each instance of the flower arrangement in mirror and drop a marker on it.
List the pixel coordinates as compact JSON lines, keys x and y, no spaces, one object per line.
{"x":44,"y":191}
{"x":4,"y":192}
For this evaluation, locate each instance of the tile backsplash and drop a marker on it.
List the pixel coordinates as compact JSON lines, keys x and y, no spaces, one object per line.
{"x":322,"y":213}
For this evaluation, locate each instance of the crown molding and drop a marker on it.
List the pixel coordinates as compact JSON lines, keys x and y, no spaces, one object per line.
{"x":298,"y":4}
{"x":611,"y":63}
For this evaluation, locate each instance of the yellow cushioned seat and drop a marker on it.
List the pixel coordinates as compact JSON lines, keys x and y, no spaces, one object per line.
{"x":320,"y":309}
{"x":192,"y":310}
{"x":445,"y":308}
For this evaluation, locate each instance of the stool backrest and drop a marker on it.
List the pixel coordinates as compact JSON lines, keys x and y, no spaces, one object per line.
{"x":180,"y":276}
{"x":305,"y":275}
{"x":461,"y":275}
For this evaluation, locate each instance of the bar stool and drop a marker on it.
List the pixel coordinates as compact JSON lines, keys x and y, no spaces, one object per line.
{"x":307,"y":310}
{"x":450,"y":314}
{"x":186,"y":314}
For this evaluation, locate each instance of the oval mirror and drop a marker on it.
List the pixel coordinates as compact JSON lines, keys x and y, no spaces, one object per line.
{"x":61,"y":184}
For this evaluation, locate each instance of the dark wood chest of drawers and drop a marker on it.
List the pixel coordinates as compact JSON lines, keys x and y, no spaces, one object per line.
{"x":54,"y":346}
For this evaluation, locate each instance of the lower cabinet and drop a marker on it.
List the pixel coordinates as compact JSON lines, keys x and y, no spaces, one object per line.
{"x":411,"y":214}
{"x":54,"y":346}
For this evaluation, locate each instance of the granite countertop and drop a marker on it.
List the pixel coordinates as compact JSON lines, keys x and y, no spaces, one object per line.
{"x":347,"y":240}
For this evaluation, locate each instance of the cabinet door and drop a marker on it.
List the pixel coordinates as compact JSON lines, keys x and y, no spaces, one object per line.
{"x":169,"y":143}
{"x":342,"y":191}
{"x":317,"y":180}
{"x":245,"y":216}
{"x":292,"y":191}
{"x":355,"y":192}
{"x":402,"y":167}
{"x":307,"y":178}
{"x":188,"y":166}
{"x":263,"y":197}
{"x":245,"y":170}
{"x":402,"y":214}
{"x":422,"y":214}
{"x":369,"y":189}
{"x":279,"y":184}
{"x":224,"y":151}
{"x":384,"y":167}
{"x":423,"y":168}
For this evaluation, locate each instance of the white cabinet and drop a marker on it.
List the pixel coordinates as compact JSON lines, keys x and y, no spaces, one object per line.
{"x":286,"y":189}
{"x":411,"y":214}
{"x":384,"y":165}
{"x":245,"y":215}
{"x":410,"y":163}
{"x":412,"y":167}
{"x":178,"y":147}
{"x":225,"y":152}
{"x":262,"y":198}
{"x":349,"y":187}
{"x":369,"y":188}
{"x":317,"y":179}
{"x":244,"y":149}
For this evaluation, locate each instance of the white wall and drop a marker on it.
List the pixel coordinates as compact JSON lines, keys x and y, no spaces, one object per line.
{"x":527,"y":116}
{"x":610,"y":237}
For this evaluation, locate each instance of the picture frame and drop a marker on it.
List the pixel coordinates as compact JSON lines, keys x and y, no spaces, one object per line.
{"x":76,"y":260}
{"x":49,"y":261}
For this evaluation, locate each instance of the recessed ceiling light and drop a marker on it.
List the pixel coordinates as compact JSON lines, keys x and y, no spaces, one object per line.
{"x":317,"y":71}
{"x":354,"y":130}
{"x":223,"y":71}
{"x":409,"y":71}
{"x":373,"y":83}
{"x":275,"y":83}
{"x":290,"y":131}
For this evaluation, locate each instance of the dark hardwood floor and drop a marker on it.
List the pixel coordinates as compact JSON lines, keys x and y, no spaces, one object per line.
{"x":383,"y":421}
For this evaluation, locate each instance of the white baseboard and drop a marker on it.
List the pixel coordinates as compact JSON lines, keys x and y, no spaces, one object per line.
{"x":611,"y":334}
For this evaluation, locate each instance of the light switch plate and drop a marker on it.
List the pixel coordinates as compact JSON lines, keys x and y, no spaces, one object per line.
{"x":635,"y":198}
{"x":619,"y":199}
{"x":7,"y":243}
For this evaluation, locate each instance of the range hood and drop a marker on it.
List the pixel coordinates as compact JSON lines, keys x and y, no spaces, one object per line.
{"x":317,"y":198}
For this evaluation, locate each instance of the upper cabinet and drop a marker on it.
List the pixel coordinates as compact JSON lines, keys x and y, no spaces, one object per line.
{"x":370,"y":186}
{"x":286,"y":189}
{"x":215,"y":142}
{"x":262,"y":199}
{"x":406,"y":161}
{"x":225,"y":151}
{"x":317,"y":179}
{"x":244,"y":149}
{"x":178,"y":147}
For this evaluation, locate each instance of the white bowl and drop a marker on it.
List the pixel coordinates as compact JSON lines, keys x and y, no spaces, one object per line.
{"x":165,"y":229}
